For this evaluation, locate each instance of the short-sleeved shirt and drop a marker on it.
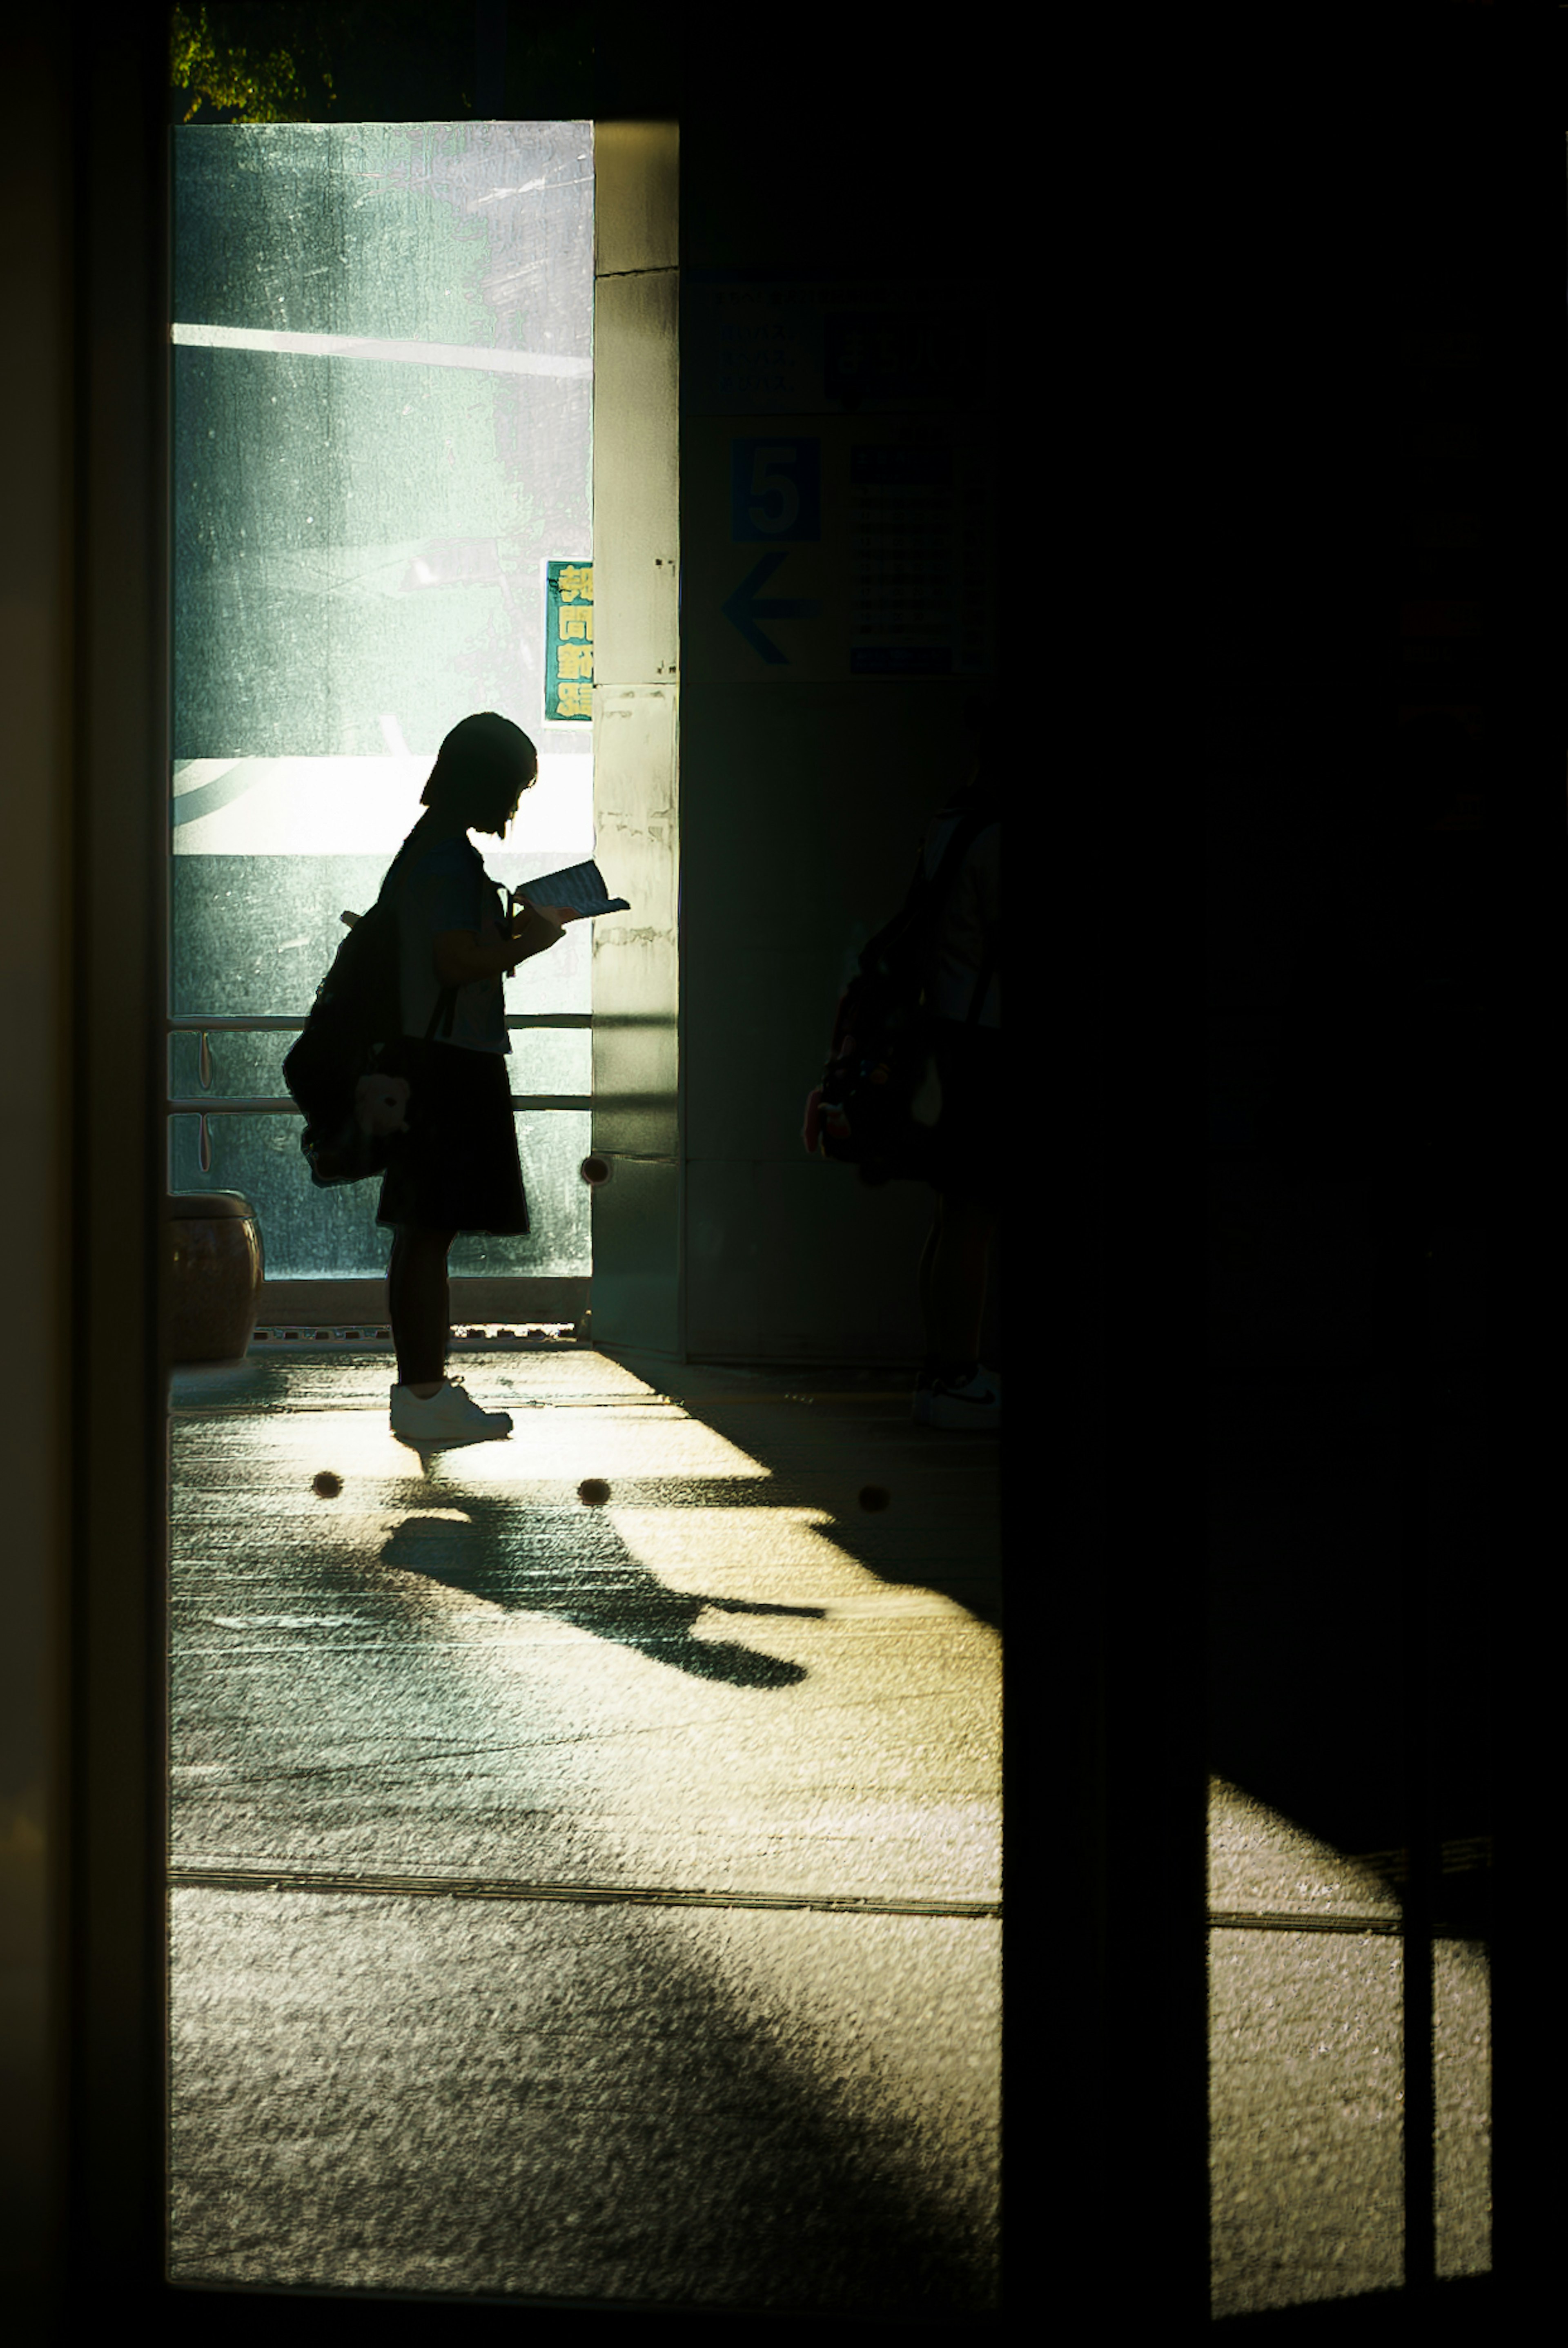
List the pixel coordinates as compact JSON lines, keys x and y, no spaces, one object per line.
{"x":440,"y":887}
{"x":969,"y":926}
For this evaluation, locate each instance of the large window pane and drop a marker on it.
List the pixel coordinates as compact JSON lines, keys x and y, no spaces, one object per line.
{"x":310,"y":1234}
{"x":360,"y":537}
{"x":255,"y":935}
{"x":362,"y":532}
{"x":250,"y":1067}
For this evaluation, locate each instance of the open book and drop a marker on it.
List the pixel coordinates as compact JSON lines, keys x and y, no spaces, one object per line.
{"x":580,"y":887}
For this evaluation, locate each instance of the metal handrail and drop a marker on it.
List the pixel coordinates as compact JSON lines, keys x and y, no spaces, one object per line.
{"x":207,"y":1105}
{"x":217,"y":1105}
{"x":265,"y":1022}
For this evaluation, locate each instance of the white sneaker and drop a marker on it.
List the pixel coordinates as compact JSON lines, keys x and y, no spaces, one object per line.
{"x":921,"y":1408}
{"x":976,"y":1405}
{"x":449,"y":1415}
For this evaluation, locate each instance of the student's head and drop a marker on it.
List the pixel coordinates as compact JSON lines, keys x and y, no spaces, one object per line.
{"x":481,"y":771}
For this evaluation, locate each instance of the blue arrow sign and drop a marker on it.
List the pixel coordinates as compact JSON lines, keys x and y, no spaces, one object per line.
{"x":745,"y":607}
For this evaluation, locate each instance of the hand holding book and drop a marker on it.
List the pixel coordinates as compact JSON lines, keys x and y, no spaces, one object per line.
{"x":575,"y":894}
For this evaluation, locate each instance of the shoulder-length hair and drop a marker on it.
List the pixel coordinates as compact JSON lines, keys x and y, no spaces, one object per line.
{"x":480,"y":770}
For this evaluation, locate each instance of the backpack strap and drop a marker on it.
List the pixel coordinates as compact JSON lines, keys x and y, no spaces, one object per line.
{"x":971,"y":822}
{"x":924,"y":898}
{"x":981,"y":984}
{"x":439,"y":1027}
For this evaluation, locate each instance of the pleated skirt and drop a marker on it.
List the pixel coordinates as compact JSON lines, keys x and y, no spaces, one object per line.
{"x":458,"y":1167}
{"x":967,"y":1139}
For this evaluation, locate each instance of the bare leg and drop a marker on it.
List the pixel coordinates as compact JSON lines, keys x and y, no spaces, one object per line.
{"x":953,"y":1272}
{"x":929,"y":1257}
{"x":417,"y":1306}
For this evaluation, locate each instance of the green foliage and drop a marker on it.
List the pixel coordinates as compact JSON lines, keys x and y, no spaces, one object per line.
{"x":242,"y":61}
{"x":371,"y":61}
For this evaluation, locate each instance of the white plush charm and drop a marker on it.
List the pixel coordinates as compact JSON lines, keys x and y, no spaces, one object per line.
{"x":379,"y":1103}
{"x":925,"y":1108}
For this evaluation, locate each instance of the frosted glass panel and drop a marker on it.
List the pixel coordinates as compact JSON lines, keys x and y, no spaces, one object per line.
{"x":310,"y":1234}
{"x":255,"y":936}
{"x":250,"y":1067}
{"x":552,"y":1145}
{"x":382,"y":378}
{"x":361,"y":535}
{"x":362,"y":807}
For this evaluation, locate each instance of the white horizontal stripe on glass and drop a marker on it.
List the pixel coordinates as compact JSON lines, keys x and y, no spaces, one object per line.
{"x":364,"y":347}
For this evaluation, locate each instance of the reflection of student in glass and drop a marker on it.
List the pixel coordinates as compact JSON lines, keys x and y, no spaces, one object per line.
{"x":457,"y":1169}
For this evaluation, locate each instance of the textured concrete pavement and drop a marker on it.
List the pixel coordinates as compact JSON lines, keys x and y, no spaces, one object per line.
{"x":1306,"y":1813}
{"x":582,"y":1901}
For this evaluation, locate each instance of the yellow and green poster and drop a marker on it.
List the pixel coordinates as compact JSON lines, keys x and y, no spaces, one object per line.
{"x":568,"y":641}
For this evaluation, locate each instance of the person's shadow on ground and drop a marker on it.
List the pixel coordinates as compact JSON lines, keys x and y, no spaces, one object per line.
{"x":572,"y":1563}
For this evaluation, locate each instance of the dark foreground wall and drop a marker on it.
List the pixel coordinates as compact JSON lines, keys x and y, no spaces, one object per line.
{"x":1109,"y":1586}
{"x":842,"y":356}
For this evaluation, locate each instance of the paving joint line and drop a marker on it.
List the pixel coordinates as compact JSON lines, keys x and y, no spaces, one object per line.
{"x":542,"y":1401}
{"x":189,"y":1879}
{"x":1390,"y":1927}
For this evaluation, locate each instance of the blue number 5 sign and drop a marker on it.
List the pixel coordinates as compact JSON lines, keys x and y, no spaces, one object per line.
{"x":775,"y":489}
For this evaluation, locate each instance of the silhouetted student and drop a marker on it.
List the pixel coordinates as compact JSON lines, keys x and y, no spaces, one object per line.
{"x":954,"y":1389}
{"x":457,"y":1169}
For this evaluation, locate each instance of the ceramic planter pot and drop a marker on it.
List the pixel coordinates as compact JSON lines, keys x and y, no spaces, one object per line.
{"x":216,"y":1289}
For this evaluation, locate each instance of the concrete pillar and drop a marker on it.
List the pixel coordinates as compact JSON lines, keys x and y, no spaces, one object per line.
{"x":637,"y":1291}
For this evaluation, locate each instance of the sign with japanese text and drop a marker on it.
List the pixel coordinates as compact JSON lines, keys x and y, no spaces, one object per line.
{"x":569,"y":642}
{"x":828,"y":547}
{"x":838,"y":466}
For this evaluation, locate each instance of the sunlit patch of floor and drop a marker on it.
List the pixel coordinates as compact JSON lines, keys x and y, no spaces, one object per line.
{"x":718,"y":1683}
{"x":1306,"y":2073}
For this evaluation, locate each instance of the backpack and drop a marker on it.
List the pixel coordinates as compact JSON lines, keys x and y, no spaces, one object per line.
{"x":875,"y":1108}
{"x":355,"y":1109}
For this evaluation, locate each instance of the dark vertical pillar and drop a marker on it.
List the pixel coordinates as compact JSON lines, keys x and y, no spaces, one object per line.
{"x":117,"y":956}
{"x":1117,"y":1630}
{"x":1523,"y":172}
{"x":1400,"y":1237}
